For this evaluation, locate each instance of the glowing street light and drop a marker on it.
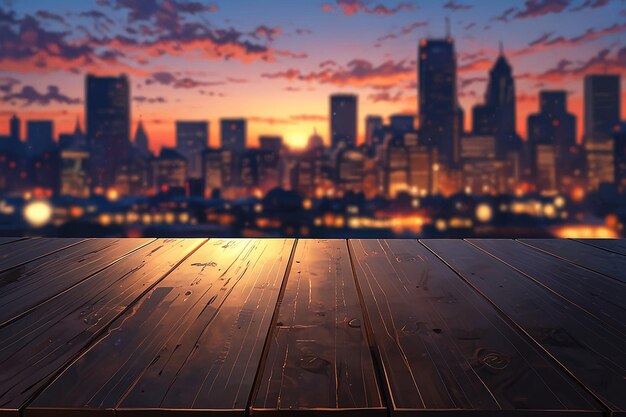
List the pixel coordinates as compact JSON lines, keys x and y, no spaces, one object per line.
{"x":38,"y":213}
{"x":484,"y":213}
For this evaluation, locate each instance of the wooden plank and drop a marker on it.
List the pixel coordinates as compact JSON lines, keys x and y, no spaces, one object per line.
{"x":604,"y":262}
{"x":194,"y":342}
{"x":443,"y":348}
{"x":612,"y":245}
{"x":319,"y":342}
{"x":589,"y":349}
{"x":32,"y":283}
{"x":600,"y":297}
{"x":17,"y":253}
{"x":38,"y":344}
{"x":5,"y":240}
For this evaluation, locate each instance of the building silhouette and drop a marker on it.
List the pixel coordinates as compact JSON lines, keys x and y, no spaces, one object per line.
{"x":39,"y":136}
{"x":554,"y":155}
{"x":192,"y":138}
{"x":498,"y":114}
{"x":233,"y":134}
{"x":343,"y":120}
{"x":107,"y":112}
{"x":437,"y":98}
{"x":373,"y":124}
{"x":15,"y":130}
{"x":602,"y":105}
{"x":141,"y":142}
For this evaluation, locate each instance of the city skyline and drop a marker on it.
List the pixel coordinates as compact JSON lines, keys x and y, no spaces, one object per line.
{"x":385,"y":81}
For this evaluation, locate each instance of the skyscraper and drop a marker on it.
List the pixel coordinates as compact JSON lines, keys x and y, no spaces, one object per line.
{"x":372,"y":125}
{"x":402,"y":123}
{"x":192,"y":138}
{"x":107,"y":110}
{"x":343,"y":120}
{"x":437,"y":98}
{"x":141,"y":141}
{"x":497,"y":115}
{"x":39,"y":136}
{"x":233,"y":134}
{"x":602,"y":117}
{"x":554,"y":127}
{"x":14,"y":129}
{"x":602,"y":105}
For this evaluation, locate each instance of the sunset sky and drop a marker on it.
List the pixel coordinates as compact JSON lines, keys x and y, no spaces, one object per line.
{"x":275,"y":62}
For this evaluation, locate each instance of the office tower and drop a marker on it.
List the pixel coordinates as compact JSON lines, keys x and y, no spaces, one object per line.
{"x":546,"y":167}
{"x":478,"y":147}
{"x":233,"y":134}
{"x":15,"y":129}
{"x":74,"y":173}
{"x":343,"y":120}
{"x":497,"y":115}
{"x":602,"y":106}
{"x":75,"y":140}
{"x":212,"y":171}
{"x":107,"y":110}
{"x":396,"y":167}
{"x":169,"y":171}
{"x":271,"y":143}
{"x":192,"y":138}
{"x":420,"y":171}
{"x":350,"y":163}
{"x":141,"y":141}
{"x":620,"y":156}
{"x":554,"y":126}
{"x":373,"y":124}
{"x":39,"y":136}
{"x":402,"y":123}
{"x":602,"y":117}
{"x":438,"y":107}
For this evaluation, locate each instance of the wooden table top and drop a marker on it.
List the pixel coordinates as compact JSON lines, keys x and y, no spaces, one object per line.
{"x":151,"y":327}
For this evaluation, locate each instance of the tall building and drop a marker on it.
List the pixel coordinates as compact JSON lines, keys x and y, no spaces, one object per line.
{"x":169,"y":171}
{"x":39,"y":136}
{"x":602,"y":118}
{"x":620,"y":156}
{"x":343,"y":120}
{"x":602,"y":106}
{"x":15,"y":131}
{"x":497,"y":115}
{"x":233,"y":134}
{"x":553,"y":126}
{"x":437,"y":98}
{"x":141,"y":141}
{"x":373,"y":124}
{"x":107,"y":110}
{"x":271,"y":143}
{"x":192,"y":138}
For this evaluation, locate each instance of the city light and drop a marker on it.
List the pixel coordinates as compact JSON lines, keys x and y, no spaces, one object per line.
{"x":38,"y":213}
{"x":484,"y":212}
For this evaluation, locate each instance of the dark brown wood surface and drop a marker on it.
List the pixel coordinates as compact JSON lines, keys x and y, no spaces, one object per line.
{"x":603,"y":298}
{"x":443,"y":347}
{"x":193,"y":342}
{"x":319,"y":357}
{"x":610,"y":264}
{"x":19,"y":252}
{"x":30,"y":284}
{"x":149,"y":327}
{"x":589,"y":349}
{"x":39,"y":344}
{"x":612,"y":245}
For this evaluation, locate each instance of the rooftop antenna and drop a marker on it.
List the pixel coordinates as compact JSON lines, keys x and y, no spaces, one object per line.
{"x":501,"y":48}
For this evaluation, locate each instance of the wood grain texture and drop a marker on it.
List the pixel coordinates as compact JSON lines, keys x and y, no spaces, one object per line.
{"x":5,"y":240}
{"x":40,"y":343}
{"x":443,"y":348}
{"x":27,"y":285}
{"x":17,"y":253}
{"x":194,"y":342}
{"x":605,"y":299}
{"x":612,"y":245}
{"x":319,"y":357}
{"x":602,"y":261}
{"x":590,"y":350}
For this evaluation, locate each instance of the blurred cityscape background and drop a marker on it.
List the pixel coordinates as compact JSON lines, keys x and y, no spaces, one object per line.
{"x":433,"y":169}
